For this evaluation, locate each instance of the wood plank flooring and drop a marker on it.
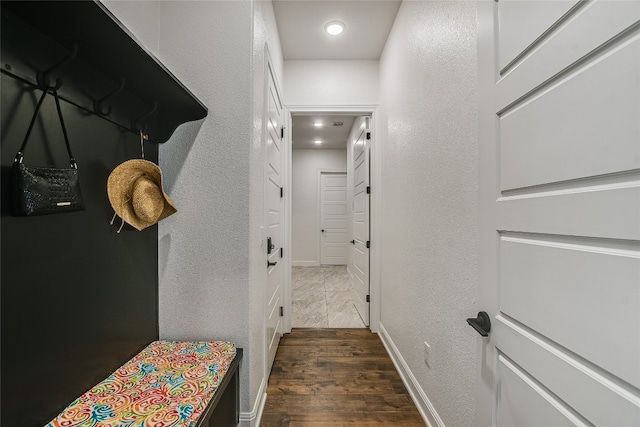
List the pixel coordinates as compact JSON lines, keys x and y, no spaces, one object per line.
{"x":336,"y":377}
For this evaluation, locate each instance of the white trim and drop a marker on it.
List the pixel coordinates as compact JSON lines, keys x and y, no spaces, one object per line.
{"x":374,"y":213}
{"x":356,"y":110}
{"x":424,"y":405}
{"x":252,"y":419}
{"x":375,"y":254}
{"x":286,"y":231}
{"x":263,"y":227}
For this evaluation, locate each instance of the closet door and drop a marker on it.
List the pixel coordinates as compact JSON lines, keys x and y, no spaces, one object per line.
{"x":560,"y":213}
{"x":274,"y":214}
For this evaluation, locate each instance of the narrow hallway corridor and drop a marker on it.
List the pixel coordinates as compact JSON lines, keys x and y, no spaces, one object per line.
{"x":322,"y":298}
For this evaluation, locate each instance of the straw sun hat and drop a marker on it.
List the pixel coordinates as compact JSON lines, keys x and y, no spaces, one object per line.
{"x":136,"y":195}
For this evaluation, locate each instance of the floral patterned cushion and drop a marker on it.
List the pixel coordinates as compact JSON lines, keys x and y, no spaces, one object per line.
{"x":167,"y":384}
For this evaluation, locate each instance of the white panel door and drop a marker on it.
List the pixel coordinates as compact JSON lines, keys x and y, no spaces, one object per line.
{"x":274,"y":206}
{"x":559,"y":213}
{"x":359,"y":267}
{"x":333,"y":218}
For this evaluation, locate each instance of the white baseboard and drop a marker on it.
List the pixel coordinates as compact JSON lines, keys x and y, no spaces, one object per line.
{"x":252,"y":419}
{"x":305,"y":264}
{"x":424,"y":405}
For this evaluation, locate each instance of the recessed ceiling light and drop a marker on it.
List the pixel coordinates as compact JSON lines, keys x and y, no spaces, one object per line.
{"x":317,"y":124}
{"x":318,"y":141}
{"x":334,"y":28}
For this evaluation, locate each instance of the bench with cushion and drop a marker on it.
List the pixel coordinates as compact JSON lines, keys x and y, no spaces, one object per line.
{"x":168,"y":384}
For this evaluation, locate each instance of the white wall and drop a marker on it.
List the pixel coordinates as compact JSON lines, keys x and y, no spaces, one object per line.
{"x":429,"y":205}
{"x":141,"y":18}
{"x":330,"y":83}
{"x":203,"y":249}
{"x":305,"y":226}
{"x":211,"y":273}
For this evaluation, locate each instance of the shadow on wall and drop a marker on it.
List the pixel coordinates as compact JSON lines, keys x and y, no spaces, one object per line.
{"x":174,"y":153}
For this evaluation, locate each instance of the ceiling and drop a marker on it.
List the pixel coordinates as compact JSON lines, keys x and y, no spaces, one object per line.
{"x":301,"y":28}
{"x":304,"y":133}
{"x":302,"y":36}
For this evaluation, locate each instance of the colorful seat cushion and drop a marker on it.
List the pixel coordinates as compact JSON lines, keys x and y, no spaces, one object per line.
{"x":169,"y":383}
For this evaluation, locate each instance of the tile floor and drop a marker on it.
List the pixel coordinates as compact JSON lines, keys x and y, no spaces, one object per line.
{"x":322,"y":298}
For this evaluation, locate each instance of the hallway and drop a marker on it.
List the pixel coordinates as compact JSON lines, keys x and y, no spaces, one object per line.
{"x":321,"y":298}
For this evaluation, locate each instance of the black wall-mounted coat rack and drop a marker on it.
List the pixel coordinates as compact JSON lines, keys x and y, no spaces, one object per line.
{"x":70,"y":284}
{"x":80,"y":47}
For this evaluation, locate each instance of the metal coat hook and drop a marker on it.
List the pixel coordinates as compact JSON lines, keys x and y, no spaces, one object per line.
{"x":43,"y":77}
{"x":143,"y":137}
{"x":134,"y":124}
{"x":98,"y":106}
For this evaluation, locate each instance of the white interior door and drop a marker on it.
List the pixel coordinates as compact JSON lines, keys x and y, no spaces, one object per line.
{"x":359,"y":267}
{"x":274,"y":206}
{"x":333,"y":218}
{"x":560,"y":213}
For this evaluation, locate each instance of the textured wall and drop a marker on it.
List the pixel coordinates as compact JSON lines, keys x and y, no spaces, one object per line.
{"x":429,"y":198}
{"x":142,"y":19}
{"x":211,"y":277}
{"x":331,"y":82}
{"x":305,"y":229}
{"x":203,"y":248}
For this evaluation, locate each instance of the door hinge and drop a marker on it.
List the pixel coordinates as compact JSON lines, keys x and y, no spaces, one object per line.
{"x":368,"y":298}
{"x":281,"y":252}
{"x":368,"y":189}
{"x":281,"y":132}
{"x":281,"y":192}
{"x":281,"y":311}
{"x":368,"y":244}
{"x":368,"y":135}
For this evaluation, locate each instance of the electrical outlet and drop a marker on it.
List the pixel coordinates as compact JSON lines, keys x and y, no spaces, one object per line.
{"x":427,"y":354}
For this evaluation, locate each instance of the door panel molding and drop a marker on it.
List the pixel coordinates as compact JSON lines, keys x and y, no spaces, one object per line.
{"x":559,"y":207}
{"x":332,"y":244}
{"x":360,"y":260}
{"x":274,"y":213}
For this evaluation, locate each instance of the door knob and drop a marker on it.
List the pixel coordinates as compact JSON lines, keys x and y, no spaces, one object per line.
{"x":482,"y":323}
{"x":353,"y":242}
{"x":271,"y":264}
{"x":322,"y":230}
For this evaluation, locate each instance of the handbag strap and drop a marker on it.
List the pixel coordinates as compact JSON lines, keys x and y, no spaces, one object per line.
{"x":20,"y":154}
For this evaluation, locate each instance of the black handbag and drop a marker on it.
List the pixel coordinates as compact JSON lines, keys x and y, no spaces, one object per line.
{"x":44,"y":190}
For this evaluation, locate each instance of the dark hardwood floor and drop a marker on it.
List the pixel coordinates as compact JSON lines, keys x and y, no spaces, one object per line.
{"x":336,"y":377}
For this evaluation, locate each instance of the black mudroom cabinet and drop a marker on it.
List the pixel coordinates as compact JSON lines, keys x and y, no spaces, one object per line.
{"x":77,"y":298}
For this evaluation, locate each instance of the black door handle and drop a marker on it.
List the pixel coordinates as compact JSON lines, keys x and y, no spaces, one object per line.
{"x":482,"y":323}
{"x":270,"y":246}
{"x":353,"y":242}
{"x":322,"y":230}
{"x":271,"y":264}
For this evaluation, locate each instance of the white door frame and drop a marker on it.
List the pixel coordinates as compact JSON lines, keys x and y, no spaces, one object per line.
{"x":374,"y":213}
